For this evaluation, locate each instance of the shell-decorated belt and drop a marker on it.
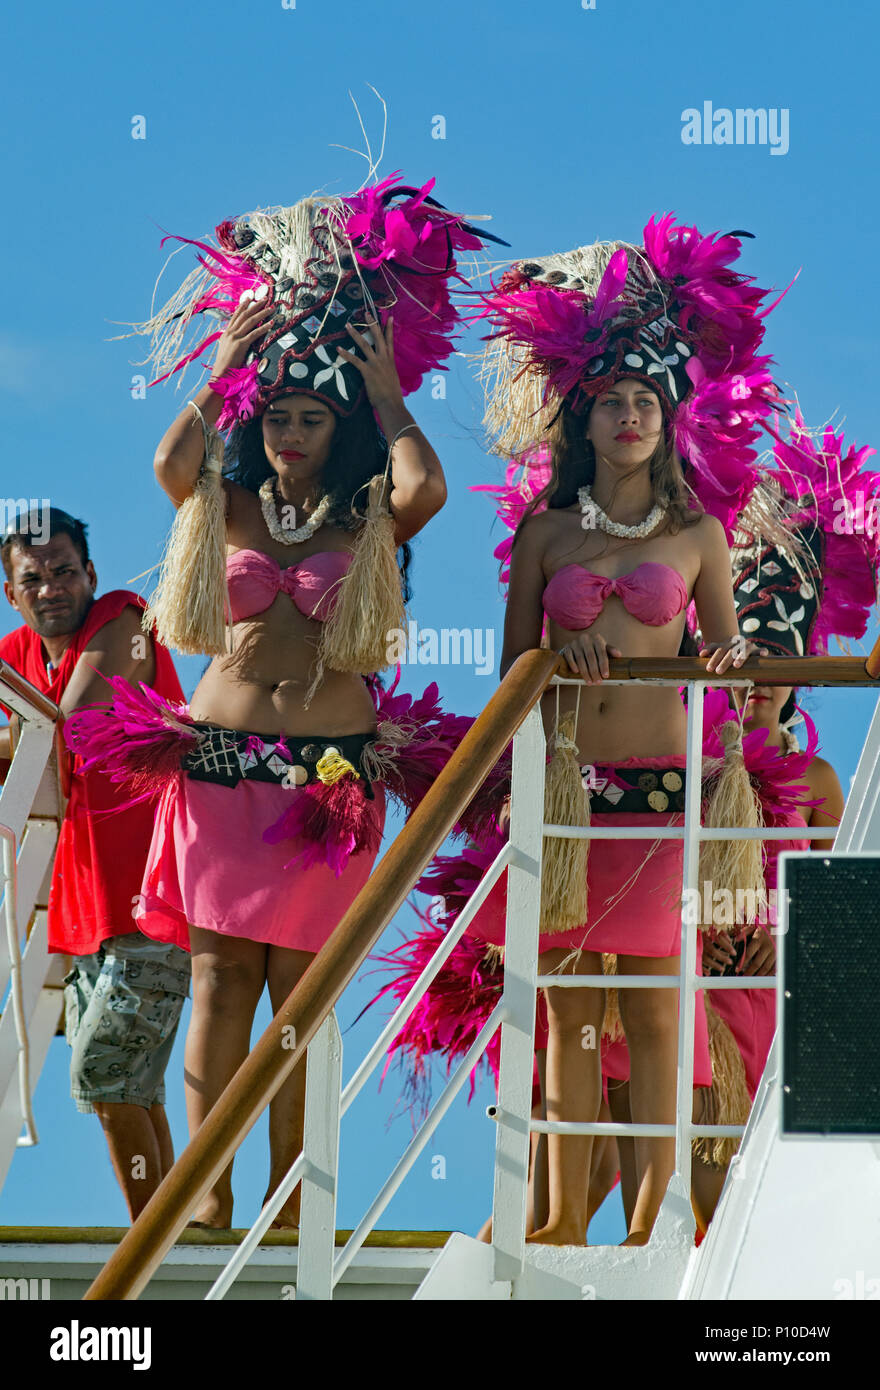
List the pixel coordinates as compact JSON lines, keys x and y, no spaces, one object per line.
{"x":634,"y":790}
{"x":229,"y":756}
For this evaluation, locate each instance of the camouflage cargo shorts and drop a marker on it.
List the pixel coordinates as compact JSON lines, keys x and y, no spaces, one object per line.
{"x":122,"y":1008}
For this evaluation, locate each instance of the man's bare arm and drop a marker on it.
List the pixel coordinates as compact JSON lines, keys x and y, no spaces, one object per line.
{"x":119,"y":648}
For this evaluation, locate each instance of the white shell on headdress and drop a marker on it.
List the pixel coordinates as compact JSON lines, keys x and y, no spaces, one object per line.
{"x":515,"y":414}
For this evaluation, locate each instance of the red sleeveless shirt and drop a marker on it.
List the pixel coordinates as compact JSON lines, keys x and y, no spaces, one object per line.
{"x":103,"y":844}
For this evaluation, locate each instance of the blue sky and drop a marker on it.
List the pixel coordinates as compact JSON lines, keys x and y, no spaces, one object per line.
{"x":562,"y":122}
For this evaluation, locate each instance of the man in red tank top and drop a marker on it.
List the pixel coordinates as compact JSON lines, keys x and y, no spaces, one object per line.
{"x":124,"y":995}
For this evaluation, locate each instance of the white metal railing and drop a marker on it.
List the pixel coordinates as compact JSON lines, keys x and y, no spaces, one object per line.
{"x":13,"y":944}
{"x":319,"y":1268}
{"x":513,"y":1111}
{"x":16,"y":991}
{"x":325,"y":1107}
{"x":29,"y":841}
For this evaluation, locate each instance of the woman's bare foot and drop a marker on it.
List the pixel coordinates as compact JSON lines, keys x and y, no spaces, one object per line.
{"x":287,"y":1219}
{"x":214,"y":1213}
{"x":637,"y":1238}
{"x":557,"y":1234}
{"x":485,"y":1233}
{"x":284,"y":1223}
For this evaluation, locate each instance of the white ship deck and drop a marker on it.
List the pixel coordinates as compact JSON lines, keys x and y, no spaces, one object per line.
{"x":390,"y":1265}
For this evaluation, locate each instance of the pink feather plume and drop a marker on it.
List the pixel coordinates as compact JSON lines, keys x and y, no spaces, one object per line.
{"x":832,"y":489}
{"x":448,"y":1018}
{"x":139,"y":737}
{"x":335,"y":821}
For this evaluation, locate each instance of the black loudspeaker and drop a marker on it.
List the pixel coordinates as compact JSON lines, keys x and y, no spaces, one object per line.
{"x":830,"y":973}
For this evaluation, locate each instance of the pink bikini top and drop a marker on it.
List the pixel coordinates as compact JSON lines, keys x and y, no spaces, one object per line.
{"x":256,"y":579}
{"x":653,"y":593}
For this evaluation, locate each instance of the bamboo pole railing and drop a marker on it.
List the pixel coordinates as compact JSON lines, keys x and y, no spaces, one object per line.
{"x":143,"y":1247}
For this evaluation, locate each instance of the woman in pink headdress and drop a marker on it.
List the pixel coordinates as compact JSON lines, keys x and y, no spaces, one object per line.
{"x":636,"y":368}
{"x":283,"y":566}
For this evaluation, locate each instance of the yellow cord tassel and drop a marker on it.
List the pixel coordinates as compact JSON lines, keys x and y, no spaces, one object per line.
{"x":564,"y":869}
{"x":369,"y":604}
{"x":331,"y":766}
{"x":188,"y":604}
{"x":733,"y":865}
{"x":727,"y":1101}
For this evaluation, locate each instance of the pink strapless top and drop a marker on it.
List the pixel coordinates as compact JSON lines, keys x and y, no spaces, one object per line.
{"x":256,"y":579}
{"x":655,"y":594}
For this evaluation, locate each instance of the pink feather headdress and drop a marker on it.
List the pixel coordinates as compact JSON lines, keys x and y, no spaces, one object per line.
{"x":792,"y":602}
{"x":387,"y":251}
{"x":671,"y":313}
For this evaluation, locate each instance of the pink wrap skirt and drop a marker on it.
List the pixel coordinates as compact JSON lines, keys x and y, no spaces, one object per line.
{"x":210,"y":866}
{"x":633,"y":889}
{"x":633,"y":908}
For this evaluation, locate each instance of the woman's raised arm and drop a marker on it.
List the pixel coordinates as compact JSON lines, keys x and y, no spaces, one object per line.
{"x":824,"y":783}
{"x":418,"y":487}
{"x":179,"y":456}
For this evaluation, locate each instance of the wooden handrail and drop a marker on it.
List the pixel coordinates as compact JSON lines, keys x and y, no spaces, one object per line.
{"x":763,"y":670}
{"x":46,"y":707}
{"x":269,"y":1064}
{"x":23,"y":688}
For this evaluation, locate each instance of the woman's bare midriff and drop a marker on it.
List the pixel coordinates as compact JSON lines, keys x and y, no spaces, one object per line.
{"x":617,"y":723}
{"x":632,"y":721}
{"x":265,"y":694}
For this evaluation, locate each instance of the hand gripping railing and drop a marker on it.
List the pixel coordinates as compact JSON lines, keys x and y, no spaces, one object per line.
{"x":270,"y":1063}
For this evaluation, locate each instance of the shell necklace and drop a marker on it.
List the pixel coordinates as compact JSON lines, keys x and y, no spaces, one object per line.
{"x":276,"y":530}
{"x":593,"y":515}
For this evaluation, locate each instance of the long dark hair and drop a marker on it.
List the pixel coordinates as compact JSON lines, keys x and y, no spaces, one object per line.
{"x":788,"y":709}
{"x":573,"y":465}
{"x":358,"y":452}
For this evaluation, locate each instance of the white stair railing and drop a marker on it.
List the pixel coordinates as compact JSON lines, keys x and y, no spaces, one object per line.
{"x":31,"y":808}
{"x":513,"y":1112}
{"x":325,"y":1108}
